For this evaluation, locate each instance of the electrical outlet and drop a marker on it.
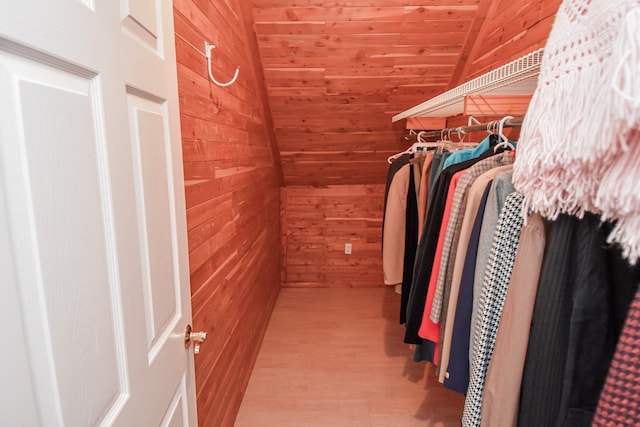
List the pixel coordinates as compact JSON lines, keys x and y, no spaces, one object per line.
{"x":347,"y":248}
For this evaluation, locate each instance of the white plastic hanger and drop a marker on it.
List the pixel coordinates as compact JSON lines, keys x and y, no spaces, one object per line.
{"x":504,"y":141}
{"x":415,"y":147}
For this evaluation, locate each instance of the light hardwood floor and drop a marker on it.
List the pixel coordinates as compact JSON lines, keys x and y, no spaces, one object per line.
{"x":335,"y":357}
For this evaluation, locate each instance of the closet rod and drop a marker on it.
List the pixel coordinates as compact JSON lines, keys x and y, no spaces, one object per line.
{"x":511,"y":123}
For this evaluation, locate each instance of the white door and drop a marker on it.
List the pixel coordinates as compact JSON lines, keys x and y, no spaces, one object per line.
{"x":94,"y":284}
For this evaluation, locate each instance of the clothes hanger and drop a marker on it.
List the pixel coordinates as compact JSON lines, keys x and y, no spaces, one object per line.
{"x":422,"y":146}
{"x":421,"y":143}
{"x":411,"y":132}
{"x":442,"y":140}
{"x":461,"y":136}
{"x":447,"y":142}
{"x":473,"y":121}
{"x":416,"y":147}
{"x":419,"y":136}
{"x":452,"y":146}
{"x":390,"y":159}
{"x":492,"y":129}
{"x":504,"y":141}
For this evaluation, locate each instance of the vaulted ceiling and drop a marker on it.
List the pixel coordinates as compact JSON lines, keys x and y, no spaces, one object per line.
{"x":337,"y":71}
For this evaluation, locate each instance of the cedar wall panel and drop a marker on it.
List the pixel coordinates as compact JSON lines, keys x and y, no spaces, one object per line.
{"x":510,"y":29}
{"x":233,"y":177}
{"x":337,"y":71}
{"x":316,"y":224}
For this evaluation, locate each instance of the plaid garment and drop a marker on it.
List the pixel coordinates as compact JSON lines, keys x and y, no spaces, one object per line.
{"x":619,"y":403}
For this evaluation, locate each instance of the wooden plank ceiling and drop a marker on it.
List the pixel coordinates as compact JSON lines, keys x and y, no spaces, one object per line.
{"x":337,"y":71}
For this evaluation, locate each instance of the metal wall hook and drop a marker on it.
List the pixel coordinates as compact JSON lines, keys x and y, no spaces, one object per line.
{"x":207,"y":52}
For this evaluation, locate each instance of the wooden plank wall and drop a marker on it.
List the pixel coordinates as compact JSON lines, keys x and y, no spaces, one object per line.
{"x":511,"y":29}
{"x":300,"y":47}
{"x":316,"y":224}
{"x":233,"y":179}
{"x":337,"y":71}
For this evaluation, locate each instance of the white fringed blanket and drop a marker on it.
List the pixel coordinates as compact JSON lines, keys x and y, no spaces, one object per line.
{"x":579,"y":147}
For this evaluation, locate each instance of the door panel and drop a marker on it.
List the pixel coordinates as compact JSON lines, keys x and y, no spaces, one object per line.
{"x":140,"y":20}
{"x":152,"y":167}
{"x":74,"y":329}
{"x":176,"y":414}
{"x":93,"y":257}
{"x":74,"y":280}
{"x":22,"y":393}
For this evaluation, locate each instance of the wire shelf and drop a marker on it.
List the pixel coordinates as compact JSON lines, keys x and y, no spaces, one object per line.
{"x":516,"y":77}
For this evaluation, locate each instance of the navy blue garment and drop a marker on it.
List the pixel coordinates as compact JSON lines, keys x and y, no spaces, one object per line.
{"x":457,"y":377}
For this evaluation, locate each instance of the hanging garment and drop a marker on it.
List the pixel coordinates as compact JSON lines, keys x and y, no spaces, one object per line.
{"x":436,"y":169}
{"x":618,"y":404}
{"x":546,"y":349}
{"x":494,"y":290}
{"x":430,"y":332}
{"x":501,"y":395}
{"x":451,"y":297}
{"x":584,"y":292}
{"x":452,"y":255}
{"x":454,"y":226}
{"x":470,"y":153}
{"x":605,"y":285}
{"x":393,"y":169}
{"x":410,"y":240}
{"x":500,"y":190}
{"x":430,"y":329}
{"x":580,"y":145}
{"x":394,"y":227}
{"x":424,"y":351}
{"x":423,"y":193}
{"x":456,"y":376}
{"x":426,"y":252}
{"x":427,"y":247}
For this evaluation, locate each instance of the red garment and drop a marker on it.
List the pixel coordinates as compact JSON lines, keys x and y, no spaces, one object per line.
{"x":429,"y":330}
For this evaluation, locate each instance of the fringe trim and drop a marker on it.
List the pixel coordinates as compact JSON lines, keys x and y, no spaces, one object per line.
{"x":619,"y":199}
{"x":579,"y":148}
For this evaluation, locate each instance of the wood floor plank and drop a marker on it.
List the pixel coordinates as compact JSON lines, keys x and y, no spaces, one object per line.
{"x":335,"y":357}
